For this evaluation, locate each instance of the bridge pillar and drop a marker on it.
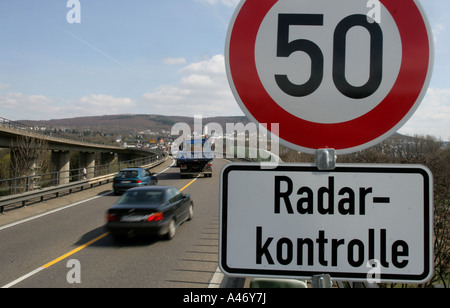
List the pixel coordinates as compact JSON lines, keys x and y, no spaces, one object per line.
{"x":87,"y":160}
{"x":125,"y":157}
{"x":60,"y":163}
{"x":106,"y":159}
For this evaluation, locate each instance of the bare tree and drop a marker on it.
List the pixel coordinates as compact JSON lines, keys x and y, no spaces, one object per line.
{"x":27,"y":154}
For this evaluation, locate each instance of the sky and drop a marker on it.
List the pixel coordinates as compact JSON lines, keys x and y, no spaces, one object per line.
{"x":150,"y":57}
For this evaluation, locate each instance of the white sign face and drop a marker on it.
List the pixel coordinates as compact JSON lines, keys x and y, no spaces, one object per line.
{"x":357,"y":222}
{"x":333,"y":74}
{"x":328,"y":103}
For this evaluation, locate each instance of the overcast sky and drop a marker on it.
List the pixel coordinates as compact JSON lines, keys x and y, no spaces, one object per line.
{"x":150,"y":57}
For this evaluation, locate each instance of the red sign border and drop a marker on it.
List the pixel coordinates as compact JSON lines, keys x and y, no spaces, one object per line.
{"x":346,"y":137}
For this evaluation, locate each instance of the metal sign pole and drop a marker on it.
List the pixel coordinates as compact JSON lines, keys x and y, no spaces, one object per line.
{"x":321,"y":281}
{"x":326,"y":159}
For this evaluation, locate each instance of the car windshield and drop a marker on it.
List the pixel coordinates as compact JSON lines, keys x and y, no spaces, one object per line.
{"x":142,"y":197}
{"x":127,"y":174}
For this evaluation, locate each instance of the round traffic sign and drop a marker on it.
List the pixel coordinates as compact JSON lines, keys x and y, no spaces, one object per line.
{"x":334,"y":74}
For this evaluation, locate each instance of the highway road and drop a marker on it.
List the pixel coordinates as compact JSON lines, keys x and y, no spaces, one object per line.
{"x":39,"y":253}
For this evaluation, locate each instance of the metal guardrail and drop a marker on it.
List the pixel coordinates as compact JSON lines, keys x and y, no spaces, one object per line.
{"x":13,"y":124}
{"x":57,"y":190}
{"x":35,"y":181}
{"x":34,"y":131}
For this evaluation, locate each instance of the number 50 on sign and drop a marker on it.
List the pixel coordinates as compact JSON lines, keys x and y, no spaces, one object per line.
{"x":329,"y":74}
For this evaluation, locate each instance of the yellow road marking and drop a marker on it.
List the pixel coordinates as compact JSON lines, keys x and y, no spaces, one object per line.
{"x":94,"y":240}
{"x":71,"y":252}
{"x":54,"y":261}
{"x":189,"y":184}
{"x":75,"y":250}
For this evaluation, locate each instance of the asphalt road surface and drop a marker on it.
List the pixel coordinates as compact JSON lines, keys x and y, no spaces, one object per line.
{"x":70,"y":247}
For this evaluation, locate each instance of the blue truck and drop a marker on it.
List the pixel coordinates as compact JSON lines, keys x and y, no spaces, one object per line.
{"x":195,"y":157}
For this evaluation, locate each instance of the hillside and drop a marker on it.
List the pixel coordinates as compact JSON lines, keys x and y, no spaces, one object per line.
{"x":93,"y":128}
{"x":127,"y":123}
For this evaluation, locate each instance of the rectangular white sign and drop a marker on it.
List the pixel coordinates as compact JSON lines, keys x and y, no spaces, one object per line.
{"x":356,"y":222}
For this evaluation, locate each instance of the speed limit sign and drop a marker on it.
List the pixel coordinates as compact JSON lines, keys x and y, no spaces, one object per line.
{"x":331,"y":73}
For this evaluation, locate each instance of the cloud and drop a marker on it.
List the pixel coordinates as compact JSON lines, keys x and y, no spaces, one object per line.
{"x":19,"y":106}
{"x":4,"y":86}
{"x":99,"y":104}
{"x":201,"y":90}
{"x":214,"y":66}
{"x":432,"y":117}
{"x":168,"y":93}
{"x":26,"y":106}
{"x":197,"y":81}
{"x":13,"y":100}
{"x":229,"y":3}
{"x":438,"y":29}
{"x":174,"y":61}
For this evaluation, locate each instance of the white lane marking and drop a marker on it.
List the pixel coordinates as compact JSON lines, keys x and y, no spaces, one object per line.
{"x":216,"y":280}
{"x":50,"y":212}
{"x":23,"y":278}
{"x":173,"y":162}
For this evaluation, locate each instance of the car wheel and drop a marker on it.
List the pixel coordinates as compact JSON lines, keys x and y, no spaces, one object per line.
{"x":171,"y":230}
{"x":191,"y":212}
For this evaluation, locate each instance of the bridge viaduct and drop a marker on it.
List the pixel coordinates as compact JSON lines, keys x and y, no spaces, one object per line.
{"x":60,"y":150}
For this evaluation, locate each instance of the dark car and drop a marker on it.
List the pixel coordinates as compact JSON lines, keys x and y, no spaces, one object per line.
{"x":151,"y":210}
{"x":133,"y":177}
